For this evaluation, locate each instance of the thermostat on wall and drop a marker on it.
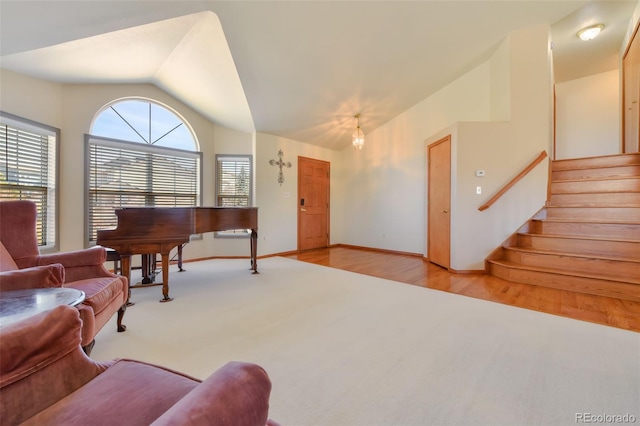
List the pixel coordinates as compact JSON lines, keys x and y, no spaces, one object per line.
{"x":479,"y":173}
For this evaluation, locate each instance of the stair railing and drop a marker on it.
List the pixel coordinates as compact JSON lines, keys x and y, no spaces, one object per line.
{"x":513,"y":181}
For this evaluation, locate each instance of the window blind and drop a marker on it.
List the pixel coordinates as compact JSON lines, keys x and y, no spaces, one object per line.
{"x":125,"y":174}
{"x":234,"y":181}
{"x":233,"y":185}
{"x":28,"y":170}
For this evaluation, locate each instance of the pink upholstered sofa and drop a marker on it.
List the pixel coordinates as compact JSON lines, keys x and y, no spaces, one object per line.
{"x":46,"y":379}
{"x":22,"y":266}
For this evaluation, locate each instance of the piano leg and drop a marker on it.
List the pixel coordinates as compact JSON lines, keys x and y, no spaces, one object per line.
{"x":146,"y":258}
{"x":126,"y":272}
{"x":165,"y":278}
{"x":148,"y":268}
{"x":254,"y":251}
{"x":180,"y":258}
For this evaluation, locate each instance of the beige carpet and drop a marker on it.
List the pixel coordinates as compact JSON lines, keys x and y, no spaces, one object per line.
{"x":347,"y":349}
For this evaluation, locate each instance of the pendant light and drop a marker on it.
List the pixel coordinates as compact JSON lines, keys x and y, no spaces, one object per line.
{"x":358,"y":135}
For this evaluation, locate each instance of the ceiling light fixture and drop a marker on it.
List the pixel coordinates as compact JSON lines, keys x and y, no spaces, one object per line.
{"x":358,"y":135}
{"x":591,"y":32}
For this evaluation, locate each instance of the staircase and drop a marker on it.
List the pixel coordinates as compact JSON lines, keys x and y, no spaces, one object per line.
{"x":587,"y":239}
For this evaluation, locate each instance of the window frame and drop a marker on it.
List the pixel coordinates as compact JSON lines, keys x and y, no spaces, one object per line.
{"x":53,"y":176}
{"x":141,"y":138}
{"x":133,"y":146}
{"x":237,"y":233}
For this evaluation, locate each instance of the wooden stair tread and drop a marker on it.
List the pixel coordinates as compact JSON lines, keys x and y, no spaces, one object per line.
{"x":569,"y":254}
{"x":605,"y":161}
{"x":595,"y":179}
{"x":601,"y":207}
{"x":565,"y":226}
{"x":581,"y":237}
{"x":597,"y":192}
{"x":585,"y":221}
{"x":587,"y":237}
{"x":603,"y":212}
{"x":596,"y":205}
{"x":557,"y":271}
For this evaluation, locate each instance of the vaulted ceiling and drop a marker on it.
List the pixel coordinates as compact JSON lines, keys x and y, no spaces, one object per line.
{"x":296,"y":69}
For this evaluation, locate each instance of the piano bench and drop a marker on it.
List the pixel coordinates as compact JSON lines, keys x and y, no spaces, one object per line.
{"x":114,"y":256}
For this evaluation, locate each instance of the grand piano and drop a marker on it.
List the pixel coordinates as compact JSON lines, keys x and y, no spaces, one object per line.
{"x":151,"y":230}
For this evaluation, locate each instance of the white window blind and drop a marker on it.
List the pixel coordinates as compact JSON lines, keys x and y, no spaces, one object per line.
{"x":28,"y":170}
{"x":125,"y":174}
{"x":234,"y":181}
{"x":233,"y":185}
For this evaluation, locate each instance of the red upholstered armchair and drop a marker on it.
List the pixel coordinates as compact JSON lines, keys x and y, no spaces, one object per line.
{"x":46,"y":379}
{"x":22,"y":266}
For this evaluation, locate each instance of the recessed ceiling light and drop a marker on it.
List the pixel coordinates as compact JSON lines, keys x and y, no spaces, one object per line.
{"x":591,"y":32}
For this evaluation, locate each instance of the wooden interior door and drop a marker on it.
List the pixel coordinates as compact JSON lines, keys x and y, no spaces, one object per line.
{"x":631,"y":94}
{"x":439,"y":202}
{"x":313,"y":203}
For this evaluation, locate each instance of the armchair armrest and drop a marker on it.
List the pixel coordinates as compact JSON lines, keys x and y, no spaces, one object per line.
{"x":36,"y":353}
{"x":35,"y":277}
{"x":72,"y":259}
{"x":80,"y":264}
{"x":237,"y":394}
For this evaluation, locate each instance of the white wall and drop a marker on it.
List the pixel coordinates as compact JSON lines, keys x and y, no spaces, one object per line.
{"x":635,"y":17}
{"x":17,"y":95}
{"x":278,"y":203}
{"x":502,"y":150}
{"x":377,"y":194}
{"x":588,"y":116}
{"x":500,"y":80}
{"x":225,"y":141}
{"x":499,"y":116}
{"x":72,"y":108}
{"x":384,"y":184}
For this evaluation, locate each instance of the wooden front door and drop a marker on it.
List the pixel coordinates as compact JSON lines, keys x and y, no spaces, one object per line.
{"x":631,"y":94}
{"x":439,"y":202}
{"x":313,"y":203}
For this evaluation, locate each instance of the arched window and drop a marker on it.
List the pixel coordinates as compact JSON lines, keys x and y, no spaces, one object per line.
{"x":144,"y":121}
{"x":139,"y":153}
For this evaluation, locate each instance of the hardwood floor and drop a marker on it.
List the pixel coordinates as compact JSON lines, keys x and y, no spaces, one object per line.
{"x":416,"y":271}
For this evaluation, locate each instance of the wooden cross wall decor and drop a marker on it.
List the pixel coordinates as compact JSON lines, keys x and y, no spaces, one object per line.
{"x":280,"y":163}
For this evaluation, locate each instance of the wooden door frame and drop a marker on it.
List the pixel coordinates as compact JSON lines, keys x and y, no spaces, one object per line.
{"x":634,"y":34}
{"x":447,"y":138}
{"x":554,"y":116}
{"x":300,"y":157}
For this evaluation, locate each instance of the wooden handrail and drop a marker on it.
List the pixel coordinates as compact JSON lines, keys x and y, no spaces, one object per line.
{"x":513,"y":181}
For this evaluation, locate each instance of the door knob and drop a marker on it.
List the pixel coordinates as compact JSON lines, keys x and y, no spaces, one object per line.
{"x":302,"y":209}
{"x":445,"y":211}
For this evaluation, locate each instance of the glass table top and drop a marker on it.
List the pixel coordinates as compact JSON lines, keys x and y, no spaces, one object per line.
{"x":19,"y":304}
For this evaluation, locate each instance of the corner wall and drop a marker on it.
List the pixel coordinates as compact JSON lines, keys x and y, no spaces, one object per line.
{"x":384,"y":184}
{"x":377,"y":194}
{"x":588,"y":116}
{"x":499,"y":115}
{"x":71,"y":108}
{"x":502,"y":150}
{"x":635,"y":17}
{"x":278,"y":203}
